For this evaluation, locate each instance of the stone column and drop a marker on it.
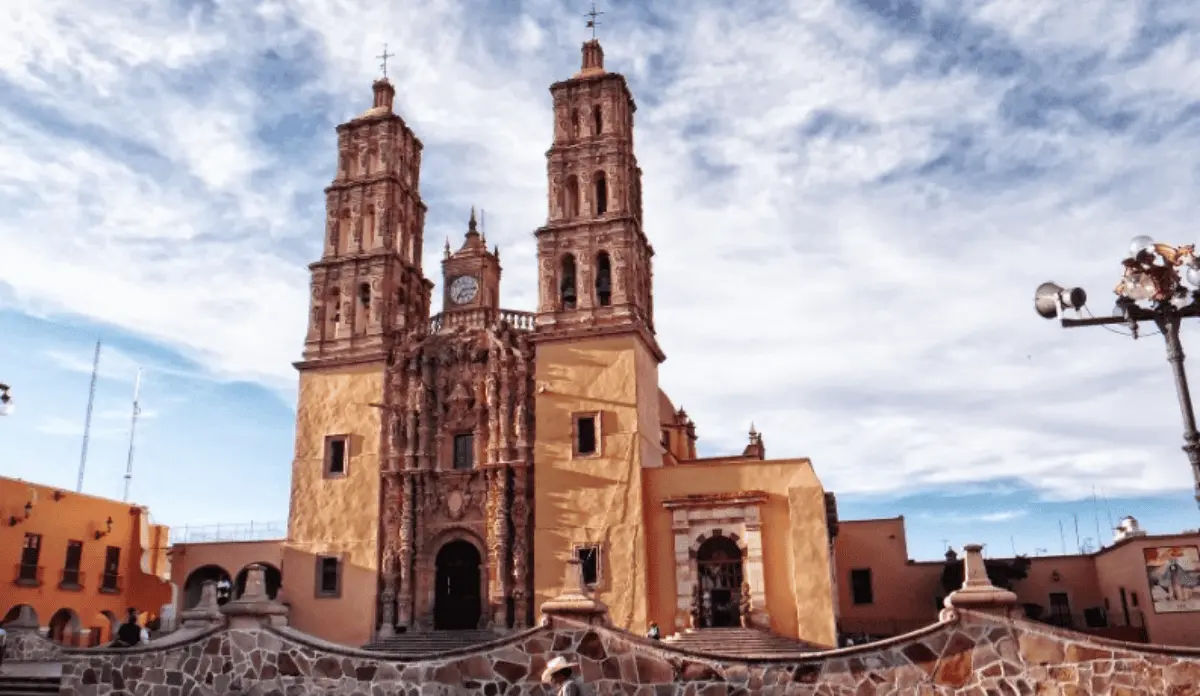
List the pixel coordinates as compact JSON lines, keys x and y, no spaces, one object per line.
{"x":685,"y":570}
{"x":754,"y":568}
{"x":977,"y":592}
{"x":404,"y":594}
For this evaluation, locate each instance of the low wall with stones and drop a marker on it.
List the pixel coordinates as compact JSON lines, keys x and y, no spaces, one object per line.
{"x":969,"y":654}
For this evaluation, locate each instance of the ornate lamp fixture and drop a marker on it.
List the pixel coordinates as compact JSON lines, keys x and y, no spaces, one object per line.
{"x":13,"y":520}
{"x":107,"y":530}
{"x":1160,"y":284}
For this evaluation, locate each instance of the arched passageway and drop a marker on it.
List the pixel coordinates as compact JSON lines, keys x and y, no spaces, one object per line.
{"x":64,"y":627}
{"x":457,"y":600}
{"x":194,"y":584}
{"x":719,"y":570}
{"x":272,"y":577}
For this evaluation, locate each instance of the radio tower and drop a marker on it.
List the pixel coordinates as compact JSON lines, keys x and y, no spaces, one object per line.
{"x":87,"y":420}
{"x":137,"y":410}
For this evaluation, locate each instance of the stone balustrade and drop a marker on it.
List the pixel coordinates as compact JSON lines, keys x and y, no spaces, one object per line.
{"x":975,"y":651}
{"x":481,"y":318}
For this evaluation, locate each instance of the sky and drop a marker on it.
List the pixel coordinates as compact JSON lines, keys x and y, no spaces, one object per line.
{"x":851,"y":205}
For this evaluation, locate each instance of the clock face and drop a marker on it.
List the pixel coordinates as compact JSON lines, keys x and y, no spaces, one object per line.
{"x":463,"y":289}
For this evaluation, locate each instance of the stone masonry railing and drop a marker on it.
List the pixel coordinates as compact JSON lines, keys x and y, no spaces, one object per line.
{"x":977,"y":648}
{"x":480,"y":319}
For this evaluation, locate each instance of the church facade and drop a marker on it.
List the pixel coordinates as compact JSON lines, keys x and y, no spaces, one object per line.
{"x":447,"y":467}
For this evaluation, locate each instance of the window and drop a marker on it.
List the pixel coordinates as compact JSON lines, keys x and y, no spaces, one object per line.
{"x":70,"y":573}
{"x":666,"y":439}
{"x":603,"y":279}
{"x":601,"y":188}
{"x":587,"y":440}
{"x":110,"y":581}
{"x":336,"y":451}
{"x":597,"y":119}
{"x":567,"y":285}
{"x":464,"y":451}
{"x":575,"y":123}
{"x":329,"y":576}
{"x":589,"y":564}
{"x":1133,"y":598}
{"x":29,"y":572}
{"x":571,"y":198}
{"x":860,"y":586}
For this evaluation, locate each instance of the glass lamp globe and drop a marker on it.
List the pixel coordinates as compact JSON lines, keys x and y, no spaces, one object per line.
{"x":1191,"y":275}
{"x":1139,"y":244}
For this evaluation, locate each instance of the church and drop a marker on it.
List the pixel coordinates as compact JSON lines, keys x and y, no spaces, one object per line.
{"x":448,"y":467}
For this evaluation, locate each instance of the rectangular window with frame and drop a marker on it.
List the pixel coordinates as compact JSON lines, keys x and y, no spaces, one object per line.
{"x":337,"y":455}
{"x":464,"y":451}
{"x":31,"y":554}
{"x":589,"y":563}
{"x":70,"y":573}
{"x":587,"y":434}
{"x":329,"y":576}
{"x":110,"y":581}
{"x":861,"y":590}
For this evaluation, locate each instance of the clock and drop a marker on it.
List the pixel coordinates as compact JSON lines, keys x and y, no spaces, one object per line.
{"x":463,"y":289}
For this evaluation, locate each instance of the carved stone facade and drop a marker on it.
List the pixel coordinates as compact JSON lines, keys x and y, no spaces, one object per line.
{"x":594,"y":259}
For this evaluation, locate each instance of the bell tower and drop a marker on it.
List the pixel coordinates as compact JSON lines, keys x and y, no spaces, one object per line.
{"x":368,"y":282}
{"x":594,"y":260}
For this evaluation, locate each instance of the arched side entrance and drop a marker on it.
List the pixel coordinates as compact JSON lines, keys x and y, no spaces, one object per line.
{"x":272,"y":578}
{"x":64,"y":627}
{"x":458,"y":585}
{"x":18,"y":612}
{"x":193,"y":586}
{"x":720,"y":575}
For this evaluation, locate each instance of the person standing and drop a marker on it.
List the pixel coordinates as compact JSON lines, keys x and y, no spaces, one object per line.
{"x":3,"y":645}
{"x":558,"y":675}
{"x":654,"y":633}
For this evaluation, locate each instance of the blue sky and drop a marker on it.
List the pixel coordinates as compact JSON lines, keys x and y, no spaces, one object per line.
{"x":851,"y":205}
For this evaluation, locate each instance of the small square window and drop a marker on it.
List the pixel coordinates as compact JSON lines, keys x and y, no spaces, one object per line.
{"x":589,"y":563}
{"x":587,"y":434}
{"x":329,"y":576}
{"x":337,"y":455}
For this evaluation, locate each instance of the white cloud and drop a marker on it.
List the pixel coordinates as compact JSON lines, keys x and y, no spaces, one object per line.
{"x":881,"y":327}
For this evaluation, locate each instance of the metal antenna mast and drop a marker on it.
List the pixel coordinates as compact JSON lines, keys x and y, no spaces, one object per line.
{"x":137,"y":410}
{"x":87,"y":421}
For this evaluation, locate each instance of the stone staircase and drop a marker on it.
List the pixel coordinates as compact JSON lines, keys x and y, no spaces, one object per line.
{"x":738,"y":642}
{"x":432,"y":642}
{"x":17,"y":685}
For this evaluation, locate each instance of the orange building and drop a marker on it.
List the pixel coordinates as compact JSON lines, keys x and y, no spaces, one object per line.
{"x":78,"y":561}
{"x":1141,"y":587}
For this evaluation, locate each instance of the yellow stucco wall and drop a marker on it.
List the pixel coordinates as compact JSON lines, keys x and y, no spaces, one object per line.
{"x":799,"y":594}
{"x":594,"y":499}
{"x":335,"y":516}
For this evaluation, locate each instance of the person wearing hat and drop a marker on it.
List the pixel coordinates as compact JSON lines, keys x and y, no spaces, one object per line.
{"x":558,"y":674}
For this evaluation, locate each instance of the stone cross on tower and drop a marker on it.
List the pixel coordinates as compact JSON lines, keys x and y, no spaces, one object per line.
{"x":592,"y":21}
{"x":383,"y":57}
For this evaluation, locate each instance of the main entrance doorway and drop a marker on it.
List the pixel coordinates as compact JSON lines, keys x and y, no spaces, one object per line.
{"x":719,"y":566}
{"x":457,"y":604}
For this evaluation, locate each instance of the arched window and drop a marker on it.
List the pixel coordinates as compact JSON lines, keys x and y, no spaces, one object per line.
{"x":567,"y":284}
{"x":333,"y":313}
{"x":597,"y":120}
{"x":345,"y":233}
{"x":603,"y":279}
{"x":576,"y":124}
{"x":369,"y":161}
{"x":363,"y":310}
{"x":571,"y":195}
{"x":369,"y":228}
{"x":600,"y":187}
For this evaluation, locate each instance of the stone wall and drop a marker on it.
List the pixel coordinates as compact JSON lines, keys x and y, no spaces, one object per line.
{"x":975,"y":654}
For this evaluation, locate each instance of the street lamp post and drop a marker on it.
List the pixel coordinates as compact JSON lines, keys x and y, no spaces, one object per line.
{"x":1161,"y":284}
{"x":6,"y":404}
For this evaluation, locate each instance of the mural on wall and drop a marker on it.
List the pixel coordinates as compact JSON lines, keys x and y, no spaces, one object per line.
{"x":1174,"y":573}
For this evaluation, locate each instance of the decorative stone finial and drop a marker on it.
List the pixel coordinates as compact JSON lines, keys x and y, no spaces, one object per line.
{"x":978,"y":592}
{"x":255,"y":606}
{"x":576,"y":601}
{"x":206,"y":612}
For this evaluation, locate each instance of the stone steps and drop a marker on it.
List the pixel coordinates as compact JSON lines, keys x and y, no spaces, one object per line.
{"x":431,"y":642}
{"x":738,"y":642}
{"x":13,"y":685}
